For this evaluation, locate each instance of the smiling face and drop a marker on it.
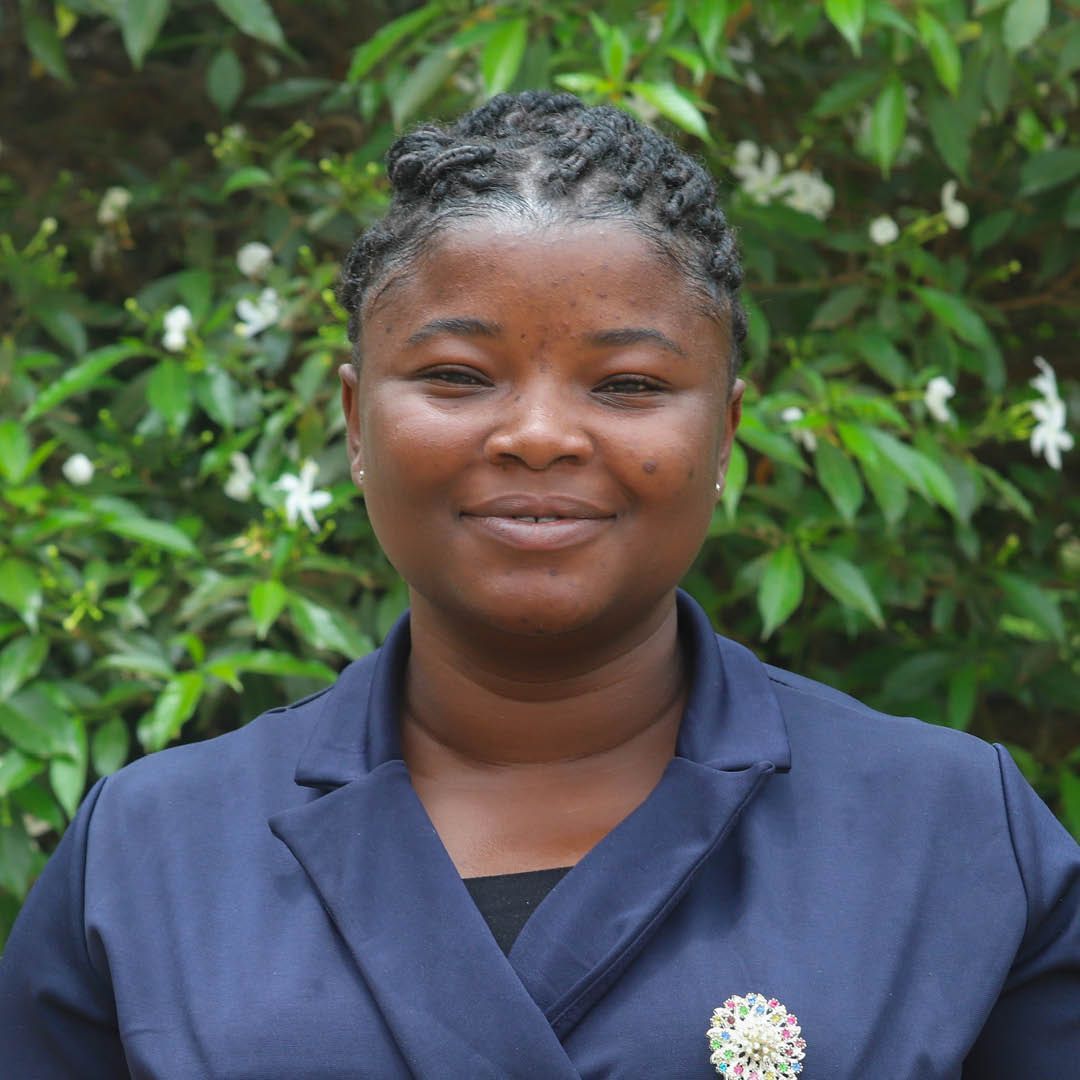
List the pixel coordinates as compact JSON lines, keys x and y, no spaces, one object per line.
{"x":542,"y":416}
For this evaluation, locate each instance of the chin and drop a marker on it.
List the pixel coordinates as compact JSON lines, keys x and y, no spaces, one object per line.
{"x":549,"y":606}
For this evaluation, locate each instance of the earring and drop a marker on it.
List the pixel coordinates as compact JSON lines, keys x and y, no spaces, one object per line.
{"x":719,"y":487}
{"x":360,"y":477}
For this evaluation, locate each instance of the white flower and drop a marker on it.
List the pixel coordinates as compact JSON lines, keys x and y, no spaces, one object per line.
{"x":761,"y":179}
{"x":301,"y":500}
{"x":78,"y":469}
{"x":178,"y":322}
{"x":807,"y":193}
{"x":755,"y":1038}
{"x":804,"y":437}
{"x":883,"y":230}
{"x":254,"y":259}
{"x":241,"y":480}
{"x":754,"y":82}
{"x":937,"y":393}
{"x":956,"y":213}
{"x":256,"y":315}
{"x":1049,"y":437}
{"x":113,"y":205}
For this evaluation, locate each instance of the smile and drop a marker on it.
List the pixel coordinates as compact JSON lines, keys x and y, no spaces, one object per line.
{"x":538,"y":523}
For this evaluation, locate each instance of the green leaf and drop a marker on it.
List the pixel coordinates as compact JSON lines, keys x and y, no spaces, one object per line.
{"x":168,"y":391}
{"x":954,"y":313}
{"x":888,"y":123}
{"x":1024,"y":21}
{"x":20,"y":589}
{"x":386,"y":37}
{"x":963,"y":690}
{"x":708,"y":18}
{"x":846,"y":93}
{"x":140,"y":23}
{"x":325,"y":629}
{"x":924,"y":476}
{"x":987,"y":232}
{"x":175,"y":706}
{"x":1069,"y":783}
{"x":17,"y":860}
{"x":844,"y":581}
{"x":781,"y":588}
{"x":62,"y":325}
{"x":266,"y":662}
{"x":216,"y":393}
{"x":426,"y":78}
{"x":255,"y":18}
{"x":675,"y":106}
{"x":501,"y":59}
{"x":20,"y":661}
{"x":67,"y":775}
{"x":110,"y":746}
{"x":840,"y":479}
{"x":290,"y":92}
{"x":735,"y":480}
{"x":225,"y":79}
{"x":44,"y":43}
{"x":15,"y":451}
{"x":1048,"y":169}
{"x":16,"y":769}
{"x":266,"y":601}
{"x":952,"y":128}
{"x":888,"y":489}
{"x":155,"y":533}
{"x":848,"y":16}
{"x":250,"y":176}
{"x":37,"y":725}
{"x":83,"y":376}
{"x":839,"y":307}
{"x":615,"y":54}
{"x":944,"y":54}
{"x":882,"y":356}
{"x":1031,"y":601}
{"x":777,"y":447}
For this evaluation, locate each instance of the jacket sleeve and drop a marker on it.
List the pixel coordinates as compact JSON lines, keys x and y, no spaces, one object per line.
{"x":57,"y":1014}
{"x":1034,"y":1028}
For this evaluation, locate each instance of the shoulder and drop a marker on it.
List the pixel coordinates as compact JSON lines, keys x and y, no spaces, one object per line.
{"x":252,"y":766}
{"x":823,"y":720}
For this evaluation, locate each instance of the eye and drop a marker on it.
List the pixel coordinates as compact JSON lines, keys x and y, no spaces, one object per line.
{"x":456,"y":377}
{"x":630,"y":386}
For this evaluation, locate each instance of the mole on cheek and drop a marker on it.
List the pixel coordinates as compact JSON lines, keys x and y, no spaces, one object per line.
{"x":648,"y":467}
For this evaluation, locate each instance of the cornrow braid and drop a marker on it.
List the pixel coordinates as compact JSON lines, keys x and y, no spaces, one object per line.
{"x":549,"y":156}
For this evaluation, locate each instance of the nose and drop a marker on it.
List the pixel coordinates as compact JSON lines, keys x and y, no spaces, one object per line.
{"x":539,"y":427}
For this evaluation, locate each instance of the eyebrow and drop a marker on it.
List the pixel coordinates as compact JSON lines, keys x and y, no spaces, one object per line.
{"x":463,"y":327}
{"x":634,"y":335}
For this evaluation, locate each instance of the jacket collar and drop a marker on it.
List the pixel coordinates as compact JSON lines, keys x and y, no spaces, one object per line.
{"x":731,"y":722}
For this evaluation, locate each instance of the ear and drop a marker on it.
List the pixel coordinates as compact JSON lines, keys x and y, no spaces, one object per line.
{"x":732,"y":416}
{"x":350,"y":406}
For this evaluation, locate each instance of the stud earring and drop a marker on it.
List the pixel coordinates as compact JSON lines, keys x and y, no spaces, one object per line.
{"x":360,"y":477}
{"x":719,"y":488}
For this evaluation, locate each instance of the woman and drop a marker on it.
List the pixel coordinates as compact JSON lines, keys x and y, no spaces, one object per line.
{"x":554,"y":827}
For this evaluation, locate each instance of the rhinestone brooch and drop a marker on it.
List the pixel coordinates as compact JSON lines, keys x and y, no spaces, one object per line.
{"x":755,"y":1038}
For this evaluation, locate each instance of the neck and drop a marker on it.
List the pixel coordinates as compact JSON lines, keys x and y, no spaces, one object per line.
{"x":470,"y":700}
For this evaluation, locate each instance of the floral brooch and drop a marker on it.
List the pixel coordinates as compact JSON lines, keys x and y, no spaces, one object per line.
{"x":755,"y":1038}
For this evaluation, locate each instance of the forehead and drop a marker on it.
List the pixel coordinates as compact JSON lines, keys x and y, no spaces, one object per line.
{"x":507,"y":271}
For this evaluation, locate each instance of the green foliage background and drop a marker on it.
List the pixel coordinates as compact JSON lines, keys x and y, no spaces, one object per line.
{"x":928,"y":566}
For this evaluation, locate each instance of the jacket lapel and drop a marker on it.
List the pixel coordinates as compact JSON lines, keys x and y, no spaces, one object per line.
{"x":452,"y":1001}
{"x":605,"y":911}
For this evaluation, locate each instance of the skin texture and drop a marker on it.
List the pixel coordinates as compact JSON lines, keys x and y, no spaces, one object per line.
{"x":570,"y":371}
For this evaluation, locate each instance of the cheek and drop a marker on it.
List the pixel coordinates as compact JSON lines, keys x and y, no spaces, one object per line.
{"x":409,"y":440}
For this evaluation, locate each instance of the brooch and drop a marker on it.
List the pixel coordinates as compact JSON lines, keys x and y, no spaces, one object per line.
{"x":755,"y":1038}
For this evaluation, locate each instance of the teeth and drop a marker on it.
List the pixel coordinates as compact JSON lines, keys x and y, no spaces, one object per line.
{"x":533,"y":520}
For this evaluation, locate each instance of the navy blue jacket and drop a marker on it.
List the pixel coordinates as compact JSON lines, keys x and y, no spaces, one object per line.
{"x":275,"y":903}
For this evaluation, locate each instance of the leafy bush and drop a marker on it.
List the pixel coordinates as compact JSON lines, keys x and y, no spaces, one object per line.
{"x":180,"y":544}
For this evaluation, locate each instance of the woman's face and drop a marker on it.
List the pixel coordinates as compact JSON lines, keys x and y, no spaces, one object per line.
{"x":541,"y":416}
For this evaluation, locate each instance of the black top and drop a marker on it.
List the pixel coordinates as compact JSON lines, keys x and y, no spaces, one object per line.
{"x":507,"y":900}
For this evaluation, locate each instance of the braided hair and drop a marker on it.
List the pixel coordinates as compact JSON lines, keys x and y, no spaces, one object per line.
{"x":548,"y":157}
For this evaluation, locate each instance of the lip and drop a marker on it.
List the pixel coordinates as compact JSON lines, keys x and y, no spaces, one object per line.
{"x":576,"y":520}
{"x":527,"y":505}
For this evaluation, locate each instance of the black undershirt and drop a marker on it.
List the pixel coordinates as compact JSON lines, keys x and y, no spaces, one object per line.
{"x":507,"y":900}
